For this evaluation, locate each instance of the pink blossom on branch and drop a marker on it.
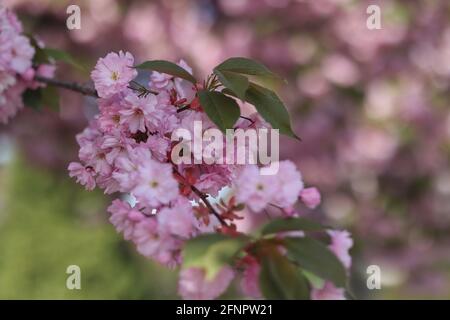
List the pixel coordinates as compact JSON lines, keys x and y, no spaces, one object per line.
{"x":113,"y":73}
{"x":127,"y":148}
{"x":16,"y":70}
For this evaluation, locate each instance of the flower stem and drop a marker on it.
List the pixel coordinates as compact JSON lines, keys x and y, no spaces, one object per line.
{"x":204,"y":198}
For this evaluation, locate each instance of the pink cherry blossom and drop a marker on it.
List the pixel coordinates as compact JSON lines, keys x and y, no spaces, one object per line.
{"x":177,"y":220}
{"x":185,"y":89}
{"x":155,"y":184}
{"x":21,"y":53}
{"x":258,"y":190}
{"x":84,"y":175}
{"x":161,"y":247}
{"x":16,"y":70}
{"x":289,"y":182}
{"x":113,"y":73}
{"x":193,"y":285}
{"x":124,"y":218}
{"x":310,"y":197}
{"x":341,"y":242}
{"x":138,"y":112}
{"x":160,"y":81}
{"x":254,"y":189}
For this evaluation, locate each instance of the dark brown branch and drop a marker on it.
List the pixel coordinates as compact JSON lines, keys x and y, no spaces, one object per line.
{"x":73,"y":86}
{"x":204,"y":198}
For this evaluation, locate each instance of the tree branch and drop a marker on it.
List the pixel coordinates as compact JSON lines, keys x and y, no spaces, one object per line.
{"x":73,"y":86}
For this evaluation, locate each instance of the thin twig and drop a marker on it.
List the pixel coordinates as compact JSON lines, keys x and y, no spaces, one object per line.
{"x":204,"y":198}
{"x":73,"y":86}
{"x":183,"y":108}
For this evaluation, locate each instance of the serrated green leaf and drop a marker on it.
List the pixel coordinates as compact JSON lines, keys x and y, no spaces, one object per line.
{"x":246,"y":66}
{"x":280,"y":279}
{"x":271,"y":108}
{"x":168,"y":68}
{"x":291,"y":224}
{"x":59,"y":55}
{"x":222,"y":110}
{"x":316,"y":258}
{"x":237,"y":83}
{"x":212,"y":252}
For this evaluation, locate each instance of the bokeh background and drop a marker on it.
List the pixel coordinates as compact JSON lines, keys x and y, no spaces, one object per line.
{"x":371,"y":106}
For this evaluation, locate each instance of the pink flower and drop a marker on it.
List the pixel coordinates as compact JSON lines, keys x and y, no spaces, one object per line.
{"x":163,"y":248}
{"x":159,"y":147}
{"x":250,"y":280}
{"x":127,"y":165}
{"x":137,"y":112}
{"x":341,"y":242}
{"x":21,"y":53}
{"x":155,"y":184}
{"x":6,"y":80}
{"x":289,"y":184}
{"x":177,"y":220}
{"x":84,"y":175}
{"x":328,"y":292}
{"x":11,"y":102}
{"x":160,"y":81}
{"x":310,"y":197}
{"x":185,"y":89}
{"x":124,"y":218}
{"x":113,"y":73}
{"x":193,"y":285}
{"x":254,"y":189}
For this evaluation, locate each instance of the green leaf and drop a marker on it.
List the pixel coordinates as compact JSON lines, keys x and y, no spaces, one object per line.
{"x":32,"y":98}
{"x":245,"y":66}
{"x":212,"y":252}
{"x":168,"y":68}
{"x":280,"y":279}
{"x":41,"y":97}
{"x":271,"y":108}
{"x":59,"y":55}
{"x":315,"y":257}
{"x":315,"y":281}
{"x":222,"y":110}
{"x":235,"y":82}
{"x":50,"y":97}
{"x":291,"y":224}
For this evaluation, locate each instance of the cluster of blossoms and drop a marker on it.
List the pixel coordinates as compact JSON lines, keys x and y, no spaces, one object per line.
{"x":16,"y":68}
{"x":127,"y":149}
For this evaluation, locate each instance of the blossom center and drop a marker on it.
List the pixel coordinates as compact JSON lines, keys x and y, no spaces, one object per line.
{"x":153,"y":184}
{"x":115,"y":75}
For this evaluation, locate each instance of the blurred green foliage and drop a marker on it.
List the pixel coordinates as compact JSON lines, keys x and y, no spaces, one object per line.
{"x":48,"y":223}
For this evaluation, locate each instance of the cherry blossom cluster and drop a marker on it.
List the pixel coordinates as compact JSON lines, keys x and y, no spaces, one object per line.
{"x":126,"y":149}
{"x":16,"y":68}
